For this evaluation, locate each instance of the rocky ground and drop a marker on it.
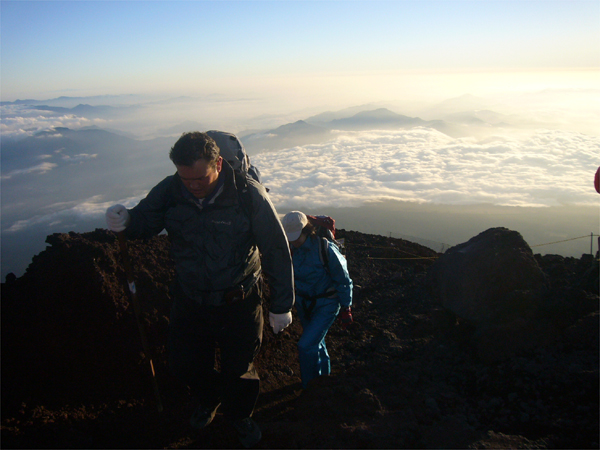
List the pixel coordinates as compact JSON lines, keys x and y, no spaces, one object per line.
{"x":407,"y":374}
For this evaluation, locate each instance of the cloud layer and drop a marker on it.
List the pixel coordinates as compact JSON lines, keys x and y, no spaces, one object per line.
{"x":421,"y":165}
{"x":549,"y":168}
{"x":19,"y":121}
{"x":66,"y":214}
{"x":40,"y":169}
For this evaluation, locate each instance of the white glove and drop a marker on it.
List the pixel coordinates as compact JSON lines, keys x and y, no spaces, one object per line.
{"x":280,"y":321}
{"x":117,"y":218}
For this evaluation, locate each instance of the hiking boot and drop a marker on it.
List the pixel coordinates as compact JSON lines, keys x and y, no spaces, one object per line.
{"x":247,"y":431}
{"x":203,"y":416}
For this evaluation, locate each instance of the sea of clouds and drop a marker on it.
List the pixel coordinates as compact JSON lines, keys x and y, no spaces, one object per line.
{"x":543,"y":169}
{"x":421,"y":165}
{"x":18,"y":121}
{"x":548,"y":168}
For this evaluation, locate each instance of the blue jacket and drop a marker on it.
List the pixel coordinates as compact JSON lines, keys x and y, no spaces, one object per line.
{"x":312,"y":279}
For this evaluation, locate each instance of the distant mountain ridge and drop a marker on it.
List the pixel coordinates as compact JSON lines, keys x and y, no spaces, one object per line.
{"x":65,"y":100}
{"x":85,"y":110}
{"x":328,"y":116}
{"x":381,"y":117}
{"x":299,"y":126}
{"x":307,"y":131}
{"x":457,"y":117}
{"x":63,"y":141}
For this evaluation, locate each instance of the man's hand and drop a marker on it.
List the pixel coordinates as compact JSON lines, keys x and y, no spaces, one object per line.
{"x":280,"y":321}
{"x":346,"y":317}
{"x":117,"y":218}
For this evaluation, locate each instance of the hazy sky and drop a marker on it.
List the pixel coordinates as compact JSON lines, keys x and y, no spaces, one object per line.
{"x":305,"y":53}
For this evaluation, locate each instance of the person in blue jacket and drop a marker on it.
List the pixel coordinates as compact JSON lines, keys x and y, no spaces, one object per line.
{"x":321,"y":292}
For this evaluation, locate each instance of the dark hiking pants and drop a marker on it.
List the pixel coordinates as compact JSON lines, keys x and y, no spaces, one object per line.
{"x":195,"y":331}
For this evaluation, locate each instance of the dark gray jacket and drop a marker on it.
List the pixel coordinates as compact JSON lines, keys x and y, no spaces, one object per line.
{"x":220,"y":246}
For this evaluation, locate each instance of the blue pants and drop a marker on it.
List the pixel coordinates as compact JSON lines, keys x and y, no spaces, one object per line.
{"x":314,"y":359}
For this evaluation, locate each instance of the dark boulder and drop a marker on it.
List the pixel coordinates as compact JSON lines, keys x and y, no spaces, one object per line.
{"x":494,"y":282}
{"x":492,"y":278}
{"x":513,"y":300}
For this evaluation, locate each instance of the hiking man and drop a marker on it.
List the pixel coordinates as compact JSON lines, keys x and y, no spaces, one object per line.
{"x":222,"y":226}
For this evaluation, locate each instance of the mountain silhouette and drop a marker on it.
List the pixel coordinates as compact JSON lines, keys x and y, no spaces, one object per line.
{"x":285,"y":136}
{"x":66,"y":100}
{"x":378,"y":118}
{"x":297,"y":128}
{"x":101,"y":111}
{"x":68,"y":142}
{"x":328,"y":116}
{"x":305,"y":132}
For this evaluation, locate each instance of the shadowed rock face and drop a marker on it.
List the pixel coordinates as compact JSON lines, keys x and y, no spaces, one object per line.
{"x":494,"y":282}
{"x":479,"y":280}
{"x":409,"y":373}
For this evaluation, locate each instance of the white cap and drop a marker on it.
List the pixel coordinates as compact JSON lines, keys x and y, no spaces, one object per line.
{"x":293,"y":224}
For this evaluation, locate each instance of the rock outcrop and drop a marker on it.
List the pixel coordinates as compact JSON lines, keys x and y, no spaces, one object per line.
{"x":492,"y":278}
{"x":495,"y":284}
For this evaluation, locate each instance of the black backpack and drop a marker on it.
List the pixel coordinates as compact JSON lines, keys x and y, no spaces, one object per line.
{"x":233,"y":151}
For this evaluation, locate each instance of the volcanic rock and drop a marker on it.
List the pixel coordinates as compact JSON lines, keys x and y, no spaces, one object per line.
{"x":407,"y":374}
{"x":489,"y":279}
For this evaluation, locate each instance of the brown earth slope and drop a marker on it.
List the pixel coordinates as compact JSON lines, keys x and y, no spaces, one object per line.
{"x":405,"y":375}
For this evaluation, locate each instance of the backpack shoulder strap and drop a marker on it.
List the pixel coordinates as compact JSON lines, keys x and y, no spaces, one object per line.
{"x":244,"y":195}
{"x":323,"y":253}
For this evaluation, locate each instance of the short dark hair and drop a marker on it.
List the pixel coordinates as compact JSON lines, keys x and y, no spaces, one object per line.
{"x":191,"y":147}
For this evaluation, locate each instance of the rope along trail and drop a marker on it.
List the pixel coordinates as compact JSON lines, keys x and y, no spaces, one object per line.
{"x":436,"y":257}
